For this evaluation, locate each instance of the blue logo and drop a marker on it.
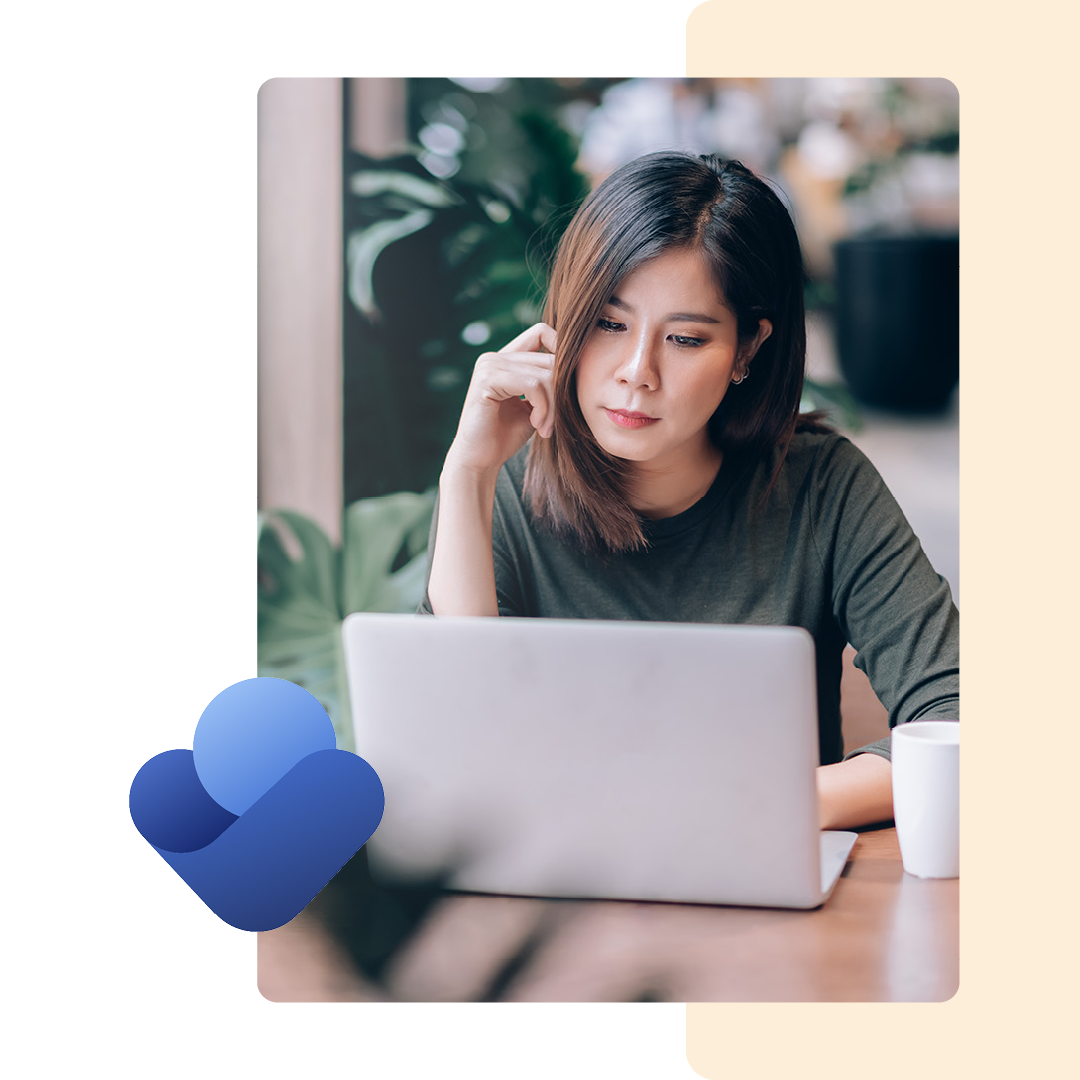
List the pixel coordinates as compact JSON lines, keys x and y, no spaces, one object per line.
{"x":264,"y":811}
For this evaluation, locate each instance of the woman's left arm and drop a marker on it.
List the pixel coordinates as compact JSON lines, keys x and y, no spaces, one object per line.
{"x":899,"y":615}
{"x":854,"y":792}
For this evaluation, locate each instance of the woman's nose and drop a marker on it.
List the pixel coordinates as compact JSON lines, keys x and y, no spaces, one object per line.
{"x":638,"y":367}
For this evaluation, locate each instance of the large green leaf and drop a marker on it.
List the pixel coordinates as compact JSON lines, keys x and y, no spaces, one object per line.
{"x":382,"y":536}
{"x":304,"y":597}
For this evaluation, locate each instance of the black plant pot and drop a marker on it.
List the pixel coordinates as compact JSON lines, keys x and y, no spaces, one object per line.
{"x":898,"y":320}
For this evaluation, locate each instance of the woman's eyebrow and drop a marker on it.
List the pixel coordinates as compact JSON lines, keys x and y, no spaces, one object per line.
{"x":679,"y":316}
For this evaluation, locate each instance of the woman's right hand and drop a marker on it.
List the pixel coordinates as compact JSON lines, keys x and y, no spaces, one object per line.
{"x":495,"y":422}
{"x":509,"y":397}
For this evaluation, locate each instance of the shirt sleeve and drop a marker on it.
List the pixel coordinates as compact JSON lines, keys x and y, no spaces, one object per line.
{"x":888,"y":600}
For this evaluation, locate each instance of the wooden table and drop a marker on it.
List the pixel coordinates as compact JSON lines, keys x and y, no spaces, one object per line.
{"x":883,"y":936}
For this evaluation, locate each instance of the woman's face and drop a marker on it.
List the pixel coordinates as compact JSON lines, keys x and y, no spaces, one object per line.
{"x":659,"y":362}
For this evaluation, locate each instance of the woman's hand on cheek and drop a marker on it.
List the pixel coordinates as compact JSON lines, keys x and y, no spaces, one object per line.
{"x":509,"y":397}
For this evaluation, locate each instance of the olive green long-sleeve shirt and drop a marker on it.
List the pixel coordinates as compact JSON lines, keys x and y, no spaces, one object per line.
{"x":830,"y":551}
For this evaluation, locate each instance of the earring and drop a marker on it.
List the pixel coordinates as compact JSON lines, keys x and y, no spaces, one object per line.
{"x":742,"y":378}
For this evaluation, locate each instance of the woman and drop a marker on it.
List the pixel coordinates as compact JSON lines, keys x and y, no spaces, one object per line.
{"x":640,"y":455}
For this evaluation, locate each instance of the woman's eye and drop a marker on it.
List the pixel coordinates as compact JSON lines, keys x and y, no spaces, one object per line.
{"x":687,"y":342}
{"x":610,"y":326}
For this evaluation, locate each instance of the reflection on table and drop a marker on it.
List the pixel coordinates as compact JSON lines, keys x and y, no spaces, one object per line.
{"x":882,"y":936}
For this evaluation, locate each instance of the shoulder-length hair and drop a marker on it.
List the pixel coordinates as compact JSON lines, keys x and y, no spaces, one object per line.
{"x":657,"y":203}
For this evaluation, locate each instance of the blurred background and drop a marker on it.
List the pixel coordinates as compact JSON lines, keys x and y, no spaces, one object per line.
{"x":406,"y":225}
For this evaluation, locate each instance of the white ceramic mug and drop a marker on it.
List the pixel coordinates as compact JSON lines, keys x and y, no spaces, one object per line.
{"x":926,"y":796}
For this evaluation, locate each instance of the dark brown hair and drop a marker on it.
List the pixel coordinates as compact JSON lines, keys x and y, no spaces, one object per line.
{"x":654,"y":204}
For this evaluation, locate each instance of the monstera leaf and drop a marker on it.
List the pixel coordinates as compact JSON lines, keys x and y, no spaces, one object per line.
{"x":307,"y":586}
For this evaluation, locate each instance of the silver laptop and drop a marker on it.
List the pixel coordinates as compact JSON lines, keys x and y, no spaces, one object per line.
{"x":572,"y":758}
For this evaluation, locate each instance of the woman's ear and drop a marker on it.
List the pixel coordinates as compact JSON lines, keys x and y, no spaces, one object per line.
{"x":749,"y":350}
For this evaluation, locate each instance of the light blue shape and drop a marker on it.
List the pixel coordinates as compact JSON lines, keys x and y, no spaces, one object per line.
{"x":252,"y":734}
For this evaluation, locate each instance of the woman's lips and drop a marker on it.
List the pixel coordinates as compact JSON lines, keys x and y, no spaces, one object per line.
{"x":630,"y":419}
